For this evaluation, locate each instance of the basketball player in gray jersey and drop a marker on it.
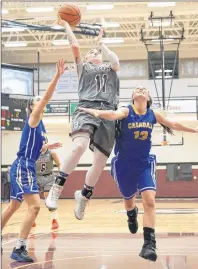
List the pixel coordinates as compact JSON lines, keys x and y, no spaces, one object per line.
{"x":98,"y":88}
{"x":45,"y":177}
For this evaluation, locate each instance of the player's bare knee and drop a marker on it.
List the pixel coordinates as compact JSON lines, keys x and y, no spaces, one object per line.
{"x":79,"y":147}
{"x":34,"y":209}
{"x":149,"y":201}
{"x":129,"y":204}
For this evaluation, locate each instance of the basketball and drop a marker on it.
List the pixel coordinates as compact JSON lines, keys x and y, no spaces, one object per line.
{"x":70,"y":13}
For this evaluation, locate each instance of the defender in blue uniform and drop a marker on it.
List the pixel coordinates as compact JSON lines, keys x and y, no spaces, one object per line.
{"x":133,"y":168}
{"x":132,"y":154}
{"x":23,"y":170}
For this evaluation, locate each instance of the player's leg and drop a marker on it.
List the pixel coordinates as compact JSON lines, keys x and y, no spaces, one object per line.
{"x":149,"y":247}
{"x":127,"y":184}
{"x":13,"y":206}
{"x":28,"y":186}
{"x":147,"y":187}
{"x":40,"y":184}
{"x":79,"y":145}
{"x":148,"y":199}
{"x":92,"y":177}
{"x":53,"y":213}
{"x":16,"y":194}
{"x":132,"y":213}
{"x":101,"y":142}
{"x":19,"y":252}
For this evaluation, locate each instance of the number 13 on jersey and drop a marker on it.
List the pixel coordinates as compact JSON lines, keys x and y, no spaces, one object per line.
{"x":141,"y":135}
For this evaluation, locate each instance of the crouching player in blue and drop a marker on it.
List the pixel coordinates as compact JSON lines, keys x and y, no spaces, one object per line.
{"x":23,"y":170}
{"x":133,"y":168}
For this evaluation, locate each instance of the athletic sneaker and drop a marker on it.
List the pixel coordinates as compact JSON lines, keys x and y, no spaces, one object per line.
{"x":148,"y":251}
{"x":21,"y":255}
{"x":53,"y":196}
{"x":133,"y":223}
{"x":81,"y":203}
{"x":55,"y":224}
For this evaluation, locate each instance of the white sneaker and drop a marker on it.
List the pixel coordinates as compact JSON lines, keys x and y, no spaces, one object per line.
{"x":52,"y":199}
{"x":81,"y":203}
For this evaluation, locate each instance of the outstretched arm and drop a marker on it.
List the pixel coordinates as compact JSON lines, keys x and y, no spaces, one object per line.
{"x":119,"y":114}
{"x":174,"y":125}
{"x":35,"y":116}
{"x":72,"y":40}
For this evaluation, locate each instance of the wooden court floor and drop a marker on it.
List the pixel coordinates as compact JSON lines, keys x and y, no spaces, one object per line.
{"x":102,"y":240}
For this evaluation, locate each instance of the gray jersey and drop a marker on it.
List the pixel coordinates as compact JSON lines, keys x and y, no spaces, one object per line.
{"x":98,"y":82}
{"x":44,"y":164}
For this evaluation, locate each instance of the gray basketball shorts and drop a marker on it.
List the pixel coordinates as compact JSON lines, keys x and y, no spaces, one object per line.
{"x":45,"y":182}
{"x":102,"y":132}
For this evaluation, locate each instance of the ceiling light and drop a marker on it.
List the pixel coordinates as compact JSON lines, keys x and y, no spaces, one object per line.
{"x":164,"y":77}
{"x":111,"y":24}
{"x":166,"y":70}
{"x":60,"y":42}
{"x":39,"y":9}
{"x":4,"y":11}
{"x":113,"y":40}
{"x":157,"y":23}
{"x":12,"y":29}
{"x":15,"y":44}
{"x":99,"y":7}
{"x":164,"y":40}
{"x":161,"y":4}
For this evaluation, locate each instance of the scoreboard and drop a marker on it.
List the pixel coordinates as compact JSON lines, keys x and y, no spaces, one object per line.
{"x":13,"y":114}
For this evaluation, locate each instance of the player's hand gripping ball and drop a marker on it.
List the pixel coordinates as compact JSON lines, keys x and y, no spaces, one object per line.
{"x":70,"y":13}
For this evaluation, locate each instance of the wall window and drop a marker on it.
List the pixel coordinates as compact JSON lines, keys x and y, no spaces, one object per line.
{"x":156,"y":62}
{"x":186,"y":172}
{"x":172,"y":172}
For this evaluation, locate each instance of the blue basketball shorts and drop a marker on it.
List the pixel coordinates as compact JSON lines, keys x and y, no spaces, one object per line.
{"x":132,"y":176}
{"x":22,"y":179}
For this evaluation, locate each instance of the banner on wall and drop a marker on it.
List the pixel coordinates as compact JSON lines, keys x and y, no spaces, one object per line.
{"x":177,"y":106}
{"x":57,"y":108}
{"x":60,"y":108}
{"x":68,"y":82}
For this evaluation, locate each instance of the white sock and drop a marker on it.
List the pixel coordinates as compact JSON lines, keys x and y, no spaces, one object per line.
{"x":21,"y":242}
{"x":54,"y":214}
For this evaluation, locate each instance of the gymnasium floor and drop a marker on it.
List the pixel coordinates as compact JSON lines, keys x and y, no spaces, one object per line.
{"x":102,"y":241}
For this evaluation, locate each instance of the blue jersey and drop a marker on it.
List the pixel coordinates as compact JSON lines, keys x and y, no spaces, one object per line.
{"x":32,"y":141}
{"x":134,"y":142}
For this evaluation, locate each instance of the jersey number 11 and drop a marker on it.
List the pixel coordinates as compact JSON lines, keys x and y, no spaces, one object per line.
{"x":101,"y":81}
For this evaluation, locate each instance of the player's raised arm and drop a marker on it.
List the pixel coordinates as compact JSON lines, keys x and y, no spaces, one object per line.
{"x":36,"y":114}
{"x":109,"y":55}
{"x":174,"y":125}
{"x":119,"y":114}
{"x":72,"y":40}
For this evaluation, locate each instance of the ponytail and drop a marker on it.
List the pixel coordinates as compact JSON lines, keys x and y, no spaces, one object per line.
{"x":30,"y":102}
{"x":28,"y":108}
{"x":167,"y":129}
